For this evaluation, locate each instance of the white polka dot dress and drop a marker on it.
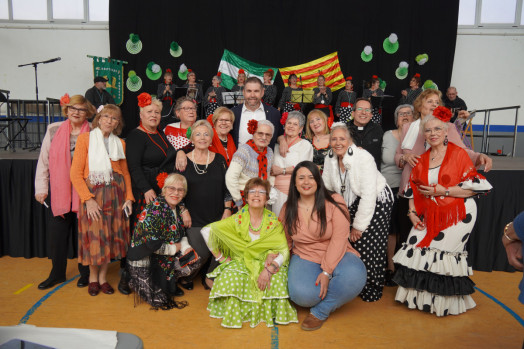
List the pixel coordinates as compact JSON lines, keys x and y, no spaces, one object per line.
{"x":372,"y":245}
{"x":435,"y":279}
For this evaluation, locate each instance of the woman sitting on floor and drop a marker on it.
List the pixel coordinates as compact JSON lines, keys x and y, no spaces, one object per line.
{"x":251,"y":281}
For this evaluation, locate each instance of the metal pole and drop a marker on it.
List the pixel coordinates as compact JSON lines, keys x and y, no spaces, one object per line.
{"x":515,"y":132}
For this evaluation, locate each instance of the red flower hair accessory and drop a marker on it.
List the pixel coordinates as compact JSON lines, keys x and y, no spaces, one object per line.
{"x":252,"y":126}
{"x":241,"y":71}
{"x":350,"y":78}
{"x":168,"y":70}
{"x":374,"y":77}
{"x":442,"y":113}
{"x":189,"y":71}
{"x":270,"y":70}
{"x":417,"y":75}
{"x":296,"y":106}
{"x":219,"y":73}
{"x":283,"y":119}
{"x":64,"y":100}
{"x":144,"y":99}
{"x":161,"y":178}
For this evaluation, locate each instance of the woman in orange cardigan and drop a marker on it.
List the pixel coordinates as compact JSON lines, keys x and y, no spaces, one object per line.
{"x":100,"y":176}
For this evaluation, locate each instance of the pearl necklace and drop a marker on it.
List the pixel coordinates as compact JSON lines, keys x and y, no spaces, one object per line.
{"x":197,"y":170}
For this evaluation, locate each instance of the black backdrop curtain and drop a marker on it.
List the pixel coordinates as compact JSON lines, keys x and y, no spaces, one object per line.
{"x":284,"y":33}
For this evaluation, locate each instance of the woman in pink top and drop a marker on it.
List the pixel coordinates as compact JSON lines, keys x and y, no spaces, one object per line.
{"x":325,"y":272}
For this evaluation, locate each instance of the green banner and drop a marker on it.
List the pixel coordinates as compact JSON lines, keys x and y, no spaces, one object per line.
{"x":113,"y":71}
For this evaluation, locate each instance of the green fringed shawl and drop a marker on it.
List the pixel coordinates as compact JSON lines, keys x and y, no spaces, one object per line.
{"x":231,"y":237}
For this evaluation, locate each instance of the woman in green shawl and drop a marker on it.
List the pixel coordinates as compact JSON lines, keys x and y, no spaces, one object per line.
{"x":251,"y":280}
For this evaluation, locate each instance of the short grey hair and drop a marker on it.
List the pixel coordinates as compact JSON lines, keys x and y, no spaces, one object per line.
{"x":295,"y":114}
{"x":340,"y":126}
{"x":431,"y":117}
{"x":202,"y":123}
{"x":267,"y":123}
{"x":400,"y":107}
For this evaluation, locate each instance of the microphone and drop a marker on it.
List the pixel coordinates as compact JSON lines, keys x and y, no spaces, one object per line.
{"x":52,"y":60}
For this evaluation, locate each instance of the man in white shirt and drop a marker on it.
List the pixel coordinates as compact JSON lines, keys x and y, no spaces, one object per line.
{"x":253,"y":108}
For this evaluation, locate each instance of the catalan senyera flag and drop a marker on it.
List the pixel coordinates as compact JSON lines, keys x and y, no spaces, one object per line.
{"x":307,"y":73}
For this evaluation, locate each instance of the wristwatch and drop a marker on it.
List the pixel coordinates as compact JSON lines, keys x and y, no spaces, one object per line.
{"x":327,"y":274}
{"x":447,"y":192}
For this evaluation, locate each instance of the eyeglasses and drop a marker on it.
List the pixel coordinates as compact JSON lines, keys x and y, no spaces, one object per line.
{"x":171,"y":189}
{"x":367,"y":110}
{"x":263,"y":135}
{"x":224,"y":121}
{"x":200,"y":134}
{"x":437,"y":130}
{"x":188,"y":108}
{"x":407,"y":113}
{"x":112,"y":118}
{"x":258,"y":192}
{"x":78,"y":110}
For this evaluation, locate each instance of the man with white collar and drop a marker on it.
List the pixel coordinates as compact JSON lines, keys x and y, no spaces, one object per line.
{"x":253,"y":108}
{"x":366,"y":134}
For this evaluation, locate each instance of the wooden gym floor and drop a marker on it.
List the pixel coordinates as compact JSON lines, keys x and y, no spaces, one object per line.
{"x":496,"y":322}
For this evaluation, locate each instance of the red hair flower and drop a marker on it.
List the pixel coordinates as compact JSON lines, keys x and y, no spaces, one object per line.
{"x":252,"y":126}
{"x":64,"y":100}
{"x":160,"y":179}
{"x":241,"y":71}
{"x":219,"y":73}
{"x":417,"y":75}
{"x":270,"y":70}
{"x":144,"y":99}
{"x":350,"y":78}
{"x":374,"y":77}
{"x":168,"y":70}
{"x":189,"y":71}
{"x":283,"y":119}
{"x":442,"y":113}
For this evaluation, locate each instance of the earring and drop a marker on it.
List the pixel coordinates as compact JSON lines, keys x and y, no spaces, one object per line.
{"x":350,"y":151}
{"x":330,"y":153}
{"x":425,"y":145}
{"x":446,"y":140}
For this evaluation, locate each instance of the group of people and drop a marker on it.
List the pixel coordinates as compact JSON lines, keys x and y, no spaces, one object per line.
{"x":267,"y":206}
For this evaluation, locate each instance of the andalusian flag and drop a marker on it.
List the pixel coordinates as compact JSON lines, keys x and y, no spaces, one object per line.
{"x":232,"y":63}
{"x":113,"y":71}
{"x":327,"y":66}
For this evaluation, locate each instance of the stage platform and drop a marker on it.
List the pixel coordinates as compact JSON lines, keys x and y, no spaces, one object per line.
{"x":23,"y":221}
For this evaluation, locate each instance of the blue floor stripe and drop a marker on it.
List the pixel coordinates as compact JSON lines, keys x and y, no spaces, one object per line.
{"x":274,"y":336}
{"x":41,"y":300}
{"x":504,"y":306}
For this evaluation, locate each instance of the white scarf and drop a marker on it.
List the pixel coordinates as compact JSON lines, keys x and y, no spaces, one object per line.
{"x":411,"y":135}
{"x":100,"y":170}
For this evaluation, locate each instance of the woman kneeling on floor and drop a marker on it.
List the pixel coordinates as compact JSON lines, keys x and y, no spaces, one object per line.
{"x":251,"y":280}
{"x":325,"y":272}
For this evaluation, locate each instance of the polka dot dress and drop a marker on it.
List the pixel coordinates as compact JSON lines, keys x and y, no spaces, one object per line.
{"x":372,"y":247}
{"x":345,"y":114}
{"x":211,"y":107}
{"x":232,"y":298}
{"x":377,"y":116}
{"x":288,"y":107}
{"x":435,"y":279}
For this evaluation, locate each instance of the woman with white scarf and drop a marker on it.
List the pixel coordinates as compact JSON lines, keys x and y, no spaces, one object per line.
{"x":351,"y":171}
{"x":100,"y":176}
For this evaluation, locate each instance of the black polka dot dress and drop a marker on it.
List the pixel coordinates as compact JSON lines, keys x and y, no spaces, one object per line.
{"x":377,"y":116}
{"x":372,"y":245}
{"x":435,"y":279}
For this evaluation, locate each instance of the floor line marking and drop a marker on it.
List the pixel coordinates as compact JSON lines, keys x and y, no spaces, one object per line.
{"x":274,"y":336}
{"x":23,"y":288}
{"x":504,"y":306}
{"x":30,"y":312}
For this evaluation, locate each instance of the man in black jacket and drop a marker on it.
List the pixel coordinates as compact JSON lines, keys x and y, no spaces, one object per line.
{"x":366,"y":134}
{"x":97,"y":94}
{"x":253,"y":108}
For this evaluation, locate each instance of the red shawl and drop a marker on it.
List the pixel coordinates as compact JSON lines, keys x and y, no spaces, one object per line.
{"x":262,"y":159}
{"x":217,"y":147}
{"x":442,"y":212}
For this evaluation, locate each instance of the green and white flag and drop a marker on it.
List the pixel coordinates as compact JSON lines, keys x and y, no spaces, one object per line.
{"x":232,"y":63}
{"x":113,"y":71}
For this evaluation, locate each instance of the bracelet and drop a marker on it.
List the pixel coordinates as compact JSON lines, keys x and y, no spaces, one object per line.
{"x":270,"y":273}
{"x":225,"y":259}
{"x":284,"y":171}
{"x":411,"y":211}
{"x":327,"y":274}
{"x":218,"y":258}
{"x":506,"y":232}
{"x":228,"y":208}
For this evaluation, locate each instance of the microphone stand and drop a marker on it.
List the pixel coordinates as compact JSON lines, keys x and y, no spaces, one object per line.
{"x":35,"y":65}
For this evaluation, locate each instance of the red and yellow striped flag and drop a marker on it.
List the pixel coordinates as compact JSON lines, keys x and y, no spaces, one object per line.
{"x":308,"y":73}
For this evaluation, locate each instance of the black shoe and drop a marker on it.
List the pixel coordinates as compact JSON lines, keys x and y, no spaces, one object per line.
{"x":123,"y":285}
{"x":188,"y":285}
{"x":389,"y":278}
{"x":179,"y":292}
{"x":49,"y":282}
{"x":206,"y":287}
{"x":83,"y":281}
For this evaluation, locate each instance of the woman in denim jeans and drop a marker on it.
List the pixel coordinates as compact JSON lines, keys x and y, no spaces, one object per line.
{"x":325,"y":271}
